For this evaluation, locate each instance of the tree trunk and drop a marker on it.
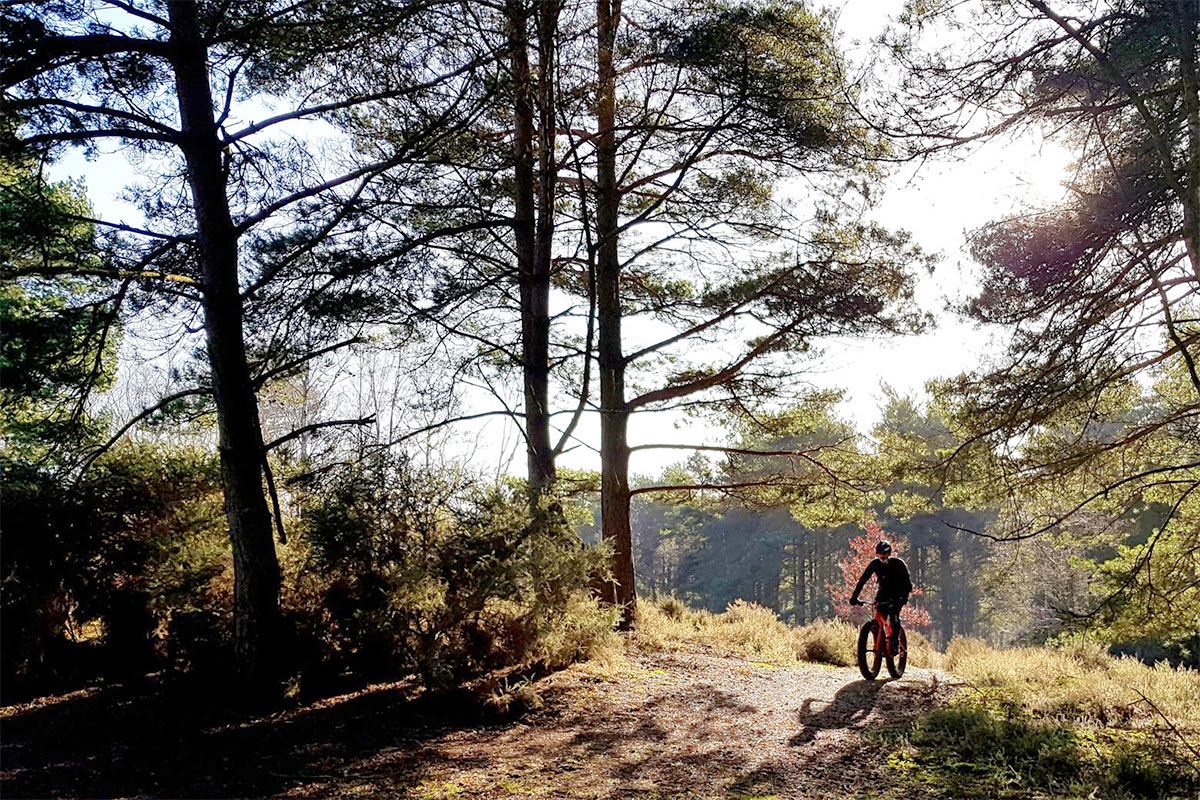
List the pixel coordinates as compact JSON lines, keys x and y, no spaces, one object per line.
{"x":798,"y":582}
{"x":772,"y":569}
{"x":1187,"y":20}
{"x":947,"y":614}
{"x":255,"y":568}
{"x":614,"y":413}
{"x":533,"y":252}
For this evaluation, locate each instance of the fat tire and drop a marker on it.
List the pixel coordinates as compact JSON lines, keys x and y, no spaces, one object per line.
{"x":896,"y":665}
{"x":865,"y":650}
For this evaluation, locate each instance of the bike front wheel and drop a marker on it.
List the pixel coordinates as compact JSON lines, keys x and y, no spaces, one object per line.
{"x":898,"y":660}
{"x":870,"y":646}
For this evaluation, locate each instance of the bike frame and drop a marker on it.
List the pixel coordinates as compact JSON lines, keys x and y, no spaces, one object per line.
{"x":871,"y":654}
{"x":883,"y":643}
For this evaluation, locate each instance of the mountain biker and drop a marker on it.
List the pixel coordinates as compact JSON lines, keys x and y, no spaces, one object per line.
{"x":894,"y":586}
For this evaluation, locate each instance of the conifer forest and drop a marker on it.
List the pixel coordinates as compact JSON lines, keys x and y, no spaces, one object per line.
{"x":486,"y":398}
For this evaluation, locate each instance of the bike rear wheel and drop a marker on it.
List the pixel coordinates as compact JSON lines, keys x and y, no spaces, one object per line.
{"x":869,"y":650}
{"x":898,"y":660}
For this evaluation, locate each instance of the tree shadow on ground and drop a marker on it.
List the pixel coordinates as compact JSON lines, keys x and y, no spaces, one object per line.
{"x":646,"y":747}
{"x":159,"y":740}
{"x":176,"y":741}
{"x":602,"y":739}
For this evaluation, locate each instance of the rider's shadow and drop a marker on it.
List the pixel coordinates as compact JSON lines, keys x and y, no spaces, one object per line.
{"x":849,"y":708}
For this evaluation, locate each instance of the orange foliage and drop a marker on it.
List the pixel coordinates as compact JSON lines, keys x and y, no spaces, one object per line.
{"x":862,"y":551}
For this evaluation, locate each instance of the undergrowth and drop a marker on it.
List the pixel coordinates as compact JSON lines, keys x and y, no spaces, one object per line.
{"x":1080,"y":682}
{"x":969,"y":751}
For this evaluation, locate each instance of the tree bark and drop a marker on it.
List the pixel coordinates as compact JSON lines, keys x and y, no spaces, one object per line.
{"x":533,"y":235}
{"x":255,"y":568}
{"x":798,"y":582}
{"x":614,"y":411}
{"x":944,"y":588}
{"x":1188,"y":19}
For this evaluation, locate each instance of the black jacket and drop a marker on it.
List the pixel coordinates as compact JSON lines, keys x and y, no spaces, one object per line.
{"x":894,"y":583}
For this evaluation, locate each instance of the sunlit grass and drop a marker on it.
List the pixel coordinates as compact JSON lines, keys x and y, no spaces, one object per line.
{"x":1079,"y":683}
{"x":753,"y":632}
{"x":1073,"y":721}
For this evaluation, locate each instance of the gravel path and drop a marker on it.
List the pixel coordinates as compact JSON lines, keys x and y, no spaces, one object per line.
{"x":687,"y":724}
{"x":684,"y":724}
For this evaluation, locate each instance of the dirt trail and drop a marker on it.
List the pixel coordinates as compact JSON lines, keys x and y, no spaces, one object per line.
{"x":690,"y":724}
{"x":685,"y":724}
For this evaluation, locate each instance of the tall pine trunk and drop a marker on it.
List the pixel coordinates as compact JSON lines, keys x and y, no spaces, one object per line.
{"x":532,"y":237}
{"x":255,"y":568}
{"x":614,"y":413}
{"x":947,"y":613}
{"x":798,"y":583}
{"x":538,"y":373}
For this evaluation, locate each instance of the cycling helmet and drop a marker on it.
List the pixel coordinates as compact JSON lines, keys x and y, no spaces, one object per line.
{"x":883,"y":547}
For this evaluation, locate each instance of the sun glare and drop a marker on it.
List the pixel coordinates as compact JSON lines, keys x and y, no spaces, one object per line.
{"x":1041,"y":173}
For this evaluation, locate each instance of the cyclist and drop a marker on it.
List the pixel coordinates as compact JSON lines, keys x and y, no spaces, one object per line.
{"x":894,"y":586}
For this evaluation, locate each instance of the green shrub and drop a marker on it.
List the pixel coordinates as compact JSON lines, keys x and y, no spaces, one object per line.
{"x":1149,"y":770}
{"x":104,"y":562}
{"x":428,"y":573}
{"x":1047,"y":754}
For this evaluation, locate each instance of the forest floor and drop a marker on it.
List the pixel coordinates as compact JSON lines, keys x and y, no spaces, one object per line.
{"x":678,"y":724}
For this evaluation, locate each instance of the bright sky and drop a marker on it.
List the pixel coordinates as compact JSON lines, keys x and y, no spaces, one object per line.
{"x":937,"y":203}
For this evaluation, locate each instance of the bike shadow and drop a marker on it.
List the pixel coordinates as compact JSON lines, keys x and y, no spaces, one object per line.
{"x":849,"y":708}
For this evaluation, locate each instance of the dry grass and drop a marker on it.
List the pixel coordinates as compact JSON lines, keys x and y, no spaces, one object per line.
{"x":1069,"y":721}
{"x":1076,"y":683}
{"x":1079,"y":683}
{"x":754,"y":632}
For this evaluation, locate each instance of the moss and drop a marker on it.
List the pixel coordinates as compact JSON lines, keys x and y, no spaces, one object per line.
{"x":438,"y":790}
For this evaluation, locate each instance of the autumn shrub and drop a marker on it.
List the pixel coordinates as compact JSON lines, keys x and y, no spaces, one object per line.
{"x":754,"y":631}
{"x":508,"y":698}
{"x":429,"y":573}
{"x":658,"y":629}
{"x":922,"y":652}
{"x":673,"y":607}
{"x":963,"y":648}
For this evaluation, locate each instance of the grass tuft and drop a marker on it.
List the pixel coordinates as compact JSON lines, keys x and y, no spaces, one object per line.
{"x":1078,"y":683}
{"x":754,"y":632}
